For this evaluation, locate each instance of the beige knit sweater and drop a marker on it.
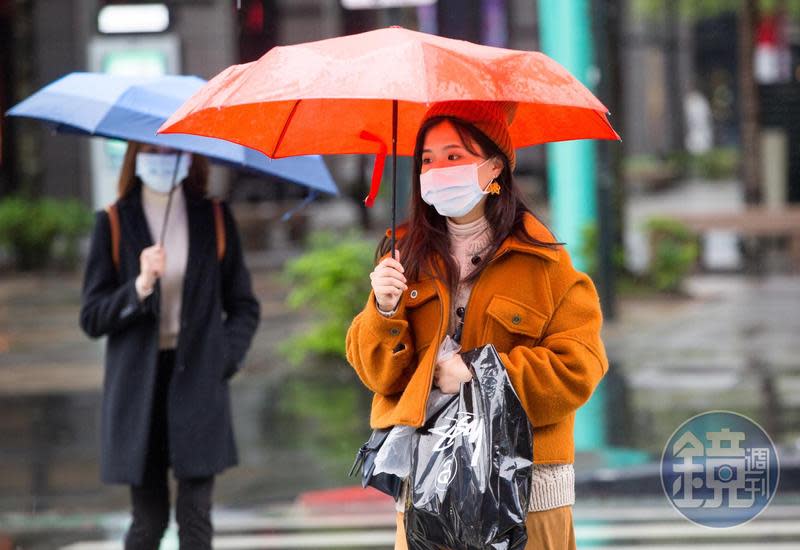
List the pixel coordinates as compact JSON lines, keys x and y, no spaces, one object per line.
{"x":176,"y":251}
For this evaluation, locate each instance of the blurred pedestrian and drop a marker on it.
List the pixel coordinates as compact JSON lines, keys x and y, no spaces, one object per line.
{"x":475,"y":264}
{"x":179,"y":316}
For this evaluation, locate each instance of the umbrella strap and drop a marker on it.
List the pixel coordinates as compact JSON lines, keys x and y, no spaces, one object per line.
{"x":377,"y":170}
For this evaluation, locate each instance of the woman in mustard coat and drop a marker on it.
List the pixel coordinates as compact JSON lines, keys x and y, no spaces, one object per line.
{"x":474,"y":263}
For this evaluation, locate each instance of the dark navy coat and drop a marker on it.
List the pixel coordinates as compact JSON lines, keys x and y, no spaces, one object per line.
{"x":218,"y":319}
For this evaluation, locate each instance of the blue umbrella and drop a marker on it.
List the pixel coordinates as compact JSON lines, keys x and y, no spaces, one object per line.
{"x":133,"y":108}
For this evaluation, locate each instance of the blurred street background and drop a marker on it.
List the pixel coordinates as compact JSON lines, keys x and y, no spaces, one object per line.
{"x":691,"y":233}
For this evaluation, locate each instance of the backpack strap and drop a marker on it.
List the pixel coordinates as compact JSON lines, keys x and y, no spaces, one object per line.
{"x":113,"y":222}
{"x":219,"y":226}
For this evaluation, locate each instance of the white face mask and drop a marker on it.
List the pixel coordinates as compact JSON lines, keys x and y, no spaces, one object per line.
{"x":156,"y":169}
{"x":454,"y":191}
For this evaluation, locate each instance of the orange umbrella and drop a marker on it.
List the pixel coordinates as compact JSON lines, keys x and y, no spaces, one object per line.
{"x":358,"y":93}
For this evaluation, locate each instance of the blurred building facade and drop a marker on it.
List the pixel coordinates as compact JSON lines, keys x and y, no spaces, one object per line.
{"x":47,"y":40}
{"x":44,"y":40}
{"x":665,"y":59}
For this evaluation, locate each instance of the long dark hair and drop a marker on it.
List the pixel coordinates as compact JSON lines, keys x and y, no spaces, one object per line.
{"x":426,"y":237}
{"x":196,"y":181}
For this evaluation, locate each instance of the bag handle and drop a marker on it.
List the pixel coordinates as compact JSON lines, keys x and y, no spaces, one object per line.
{"x":219,"y":225}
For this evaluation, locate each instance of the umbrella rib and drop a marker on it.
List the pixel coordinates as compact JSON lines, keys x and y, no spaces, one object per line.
{"x":120,"y":108}
{"x":285,"y":128}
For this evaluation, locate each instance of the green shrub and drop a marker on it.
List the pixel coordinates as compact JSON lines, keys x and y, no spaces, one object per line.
{"x":328,"y":406}
{"x":30,"y":227}
{"x":673,"y":253}
{"x":332,"y":280}
{"x":719,"y":163}
{"x":653,"y":171}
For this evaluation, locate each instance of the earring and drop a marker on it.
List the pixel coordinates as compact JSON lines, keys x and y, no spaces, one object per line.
{"x":493,"y":188}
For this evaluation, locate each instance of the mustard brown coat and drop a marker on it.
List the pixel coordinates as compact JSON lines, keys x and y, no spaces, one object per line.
{"x":541,"y":314}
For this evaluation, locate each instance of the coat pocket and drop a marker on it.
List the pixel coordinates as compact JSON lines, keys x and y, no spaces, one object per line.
{"x":510,"y":323}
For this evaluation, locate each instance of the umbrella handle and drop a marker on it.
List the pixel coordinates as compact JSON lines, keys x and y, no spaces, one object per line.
{"x":394,"y":174}
{"x":169,"y":200}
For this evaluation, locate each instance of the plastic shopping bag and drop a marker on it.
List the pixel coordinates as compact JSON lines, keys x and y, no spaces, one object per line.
{"x":471,"y":467}
{"x":394,"y":456}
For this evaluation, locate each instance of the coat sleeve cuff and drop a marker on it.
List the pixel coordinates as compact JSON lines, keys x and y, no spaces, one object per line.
{"x":142,"y":292}
{"x":386,"y":313}
{"x":136,"y":304}
{"x":392,"y":330}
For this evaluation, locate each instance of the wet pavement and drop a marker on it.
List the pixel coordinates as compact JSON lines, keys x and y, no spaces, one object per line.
{"x":50,"y":380}
{"x":730,"y":343}
{"x":623,"y":525}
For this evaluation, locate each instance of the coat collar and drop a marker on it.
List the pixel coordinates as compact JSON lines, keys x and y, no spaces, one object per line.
{"x":199,"y":219}
{"x":538,"y":231}
{"x":533,"y":227}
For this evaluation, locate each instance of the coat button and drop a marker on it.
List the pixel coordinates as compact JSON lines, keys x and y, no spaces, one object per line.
{"x":460,"y":312}
{"x":414,"y":294}
{"x":476,"y":260}
{"x":394,"y":331}
{"x":516,"y":319}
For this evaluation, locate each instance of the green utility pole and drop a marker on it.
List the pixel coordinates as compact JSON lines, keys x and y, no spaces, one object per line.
{"x":565,"y":33}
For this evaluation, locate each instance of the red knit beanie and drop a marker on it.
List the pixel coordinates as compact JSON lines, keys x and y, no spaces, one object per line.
{"x":490,"y":117}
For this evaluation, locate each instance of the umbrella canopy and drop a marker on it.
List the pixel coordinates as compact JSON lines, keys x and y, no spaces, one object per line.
{"x":358,"y":93}
{"x":321,"y":97}
{"x":132,"y":109}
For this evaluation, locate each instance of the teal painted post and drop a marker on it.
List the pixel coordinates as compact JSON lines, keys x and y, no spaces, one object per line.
{"x":565,"y":32}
